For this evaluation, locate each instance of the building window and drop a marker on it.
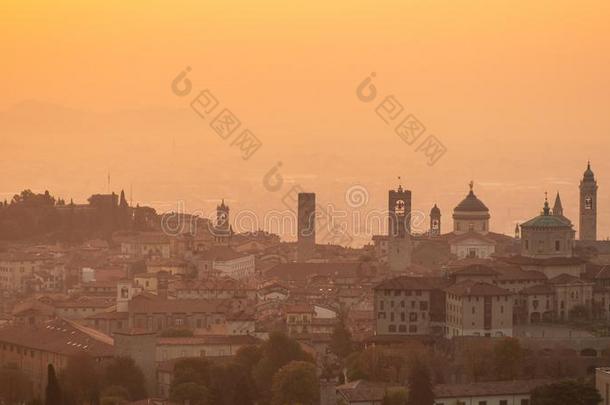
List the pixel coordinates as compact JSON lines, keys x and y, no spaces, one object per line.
{"x":392,"y":328}
{"x":588,"y":202}
{"x":503,"y":402}
{"x":557,"y":245}
{"x":525,"y":402}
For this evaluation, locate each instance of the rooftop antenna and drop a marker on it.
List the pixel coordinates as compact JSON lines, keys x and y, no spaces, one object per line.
{"x":108,"y":181}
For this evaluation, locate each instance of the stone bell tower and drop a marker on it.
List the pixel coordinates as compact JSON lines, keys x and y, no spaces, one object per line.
{"x":587,"y":226}
{"x":435,"y":221}
{"x":399,"y":229}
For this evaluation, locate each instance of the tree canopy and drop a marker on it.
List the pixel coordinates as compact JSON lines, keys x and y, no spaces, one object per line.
{"x":567,"y":392}
{"x":296,"y":383}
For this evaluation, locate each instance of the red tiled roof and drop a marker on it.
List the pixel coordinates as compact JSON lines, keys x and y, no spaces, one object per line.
{"x":300,"y":272}
{"x":210,"y":340}
{"x":538,"y":289}
{"x":144,"y":304}
{"x":476,"y":270}
{"x":565,"y":279}
{"x":412,"y":283}
{"x":299,"y":308}
{"x":484,"y":389}
{"x":221,"y":253}
{"x":59,"y":336}
{"x":551,"y":261}
{"x":473,"y":288}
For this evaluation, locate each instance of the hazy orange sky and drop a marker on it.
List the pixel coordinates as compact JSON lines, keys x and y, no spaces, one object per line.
{"x":518,"y":91}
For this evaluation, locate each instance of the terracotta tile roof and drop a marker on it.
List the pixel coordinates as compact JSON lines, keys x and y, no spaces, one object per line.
{"x":412,"y":283}
{"x":517,"y":274}
{"x":597,"y":272}
{"x":220,"y":253}
{"x":166,"y":261}
{"x":299,"y":308}
{"x":109,"y":315}
{"x":538,"y":289}
{"x":300,"y":272}
{"x":59,"y":336}
{"x":476,"y":270}
{"x":146,"y":304}
{"x":86,"y":302}
{"x":470,"y":235}
{"x":566,"y":279}
{"x":211,"y":284}
{"x":483,"y":389}
{"x":473,"y":288}
{"x":209,"y":340}
{"x":551,"y":261}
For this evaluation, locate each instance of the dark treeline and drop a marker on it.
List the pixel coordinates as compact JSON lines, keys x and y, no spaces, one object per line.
{"x":32,"y":216}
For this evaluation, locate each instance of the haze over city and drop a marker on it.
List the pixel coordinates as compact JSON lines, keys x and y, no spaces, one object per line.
{"x":517,"y":93}
{"x":261,"y":202}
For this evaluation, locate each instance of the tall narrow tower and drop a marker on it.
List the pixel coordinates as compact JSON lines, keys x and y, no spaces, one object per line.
{"x":306,"y":226}
{"x":435,"y":221}
{"x":222,"y":227}
{"x":399,"y":229}
{"x":587,"y":226}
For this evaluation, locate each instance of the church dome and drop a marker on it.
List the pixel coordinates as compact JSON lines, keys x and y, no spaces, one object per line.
{"x":435,"y":211}
{"x":471,"y":203}
{"x":547,"y":220}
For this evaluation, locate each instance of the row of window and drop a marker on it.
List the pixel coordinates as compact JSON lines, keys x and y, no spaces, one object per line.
{"x":398,"y":293}
{"x":403,"y":317}
{"x":423,"y":305}
{"x":402,"y":328}
{"x":502,"y":402}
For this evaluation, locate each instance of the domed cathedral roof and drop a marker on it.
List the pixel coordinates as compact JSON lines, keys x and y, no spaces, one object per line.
{"x":547,"y":220}
{"x":471,"y":204}
{"x":588,"y":174}
{"x":435,"y":211}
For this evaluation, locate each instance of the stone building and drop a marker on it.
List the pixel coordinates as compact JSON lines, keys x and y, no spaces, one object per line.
{"x":409,"y":306}
{"x":478,"y":309}
{"x":548,"y":235}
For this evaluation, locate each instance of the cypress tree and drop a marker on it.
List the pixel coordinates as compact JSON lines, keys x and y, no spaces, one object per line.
{"x":53,"y":391}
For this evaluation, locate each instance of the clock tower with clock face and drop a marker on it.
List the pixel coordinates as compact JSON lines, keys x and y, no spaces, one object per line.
{"x":222,"y":228}
{"x":587,"y":227}
{"x":399,"y":229}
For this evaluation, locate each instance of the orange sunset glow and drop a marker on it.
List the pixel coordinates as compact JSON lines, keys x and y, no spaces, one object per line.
{"x":340,"y":202}
{"x":518,"y":92}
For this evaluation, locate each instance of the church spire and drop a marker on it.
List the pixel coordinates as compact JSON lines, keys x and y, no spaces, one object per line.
{"x":557,"y":207}
{"x":546,"y":210}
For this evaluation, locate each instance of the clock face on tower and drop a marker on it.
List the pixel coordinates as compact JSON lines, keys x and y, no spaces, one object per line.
{"x":399,"y":208}
{"x":588,"y":202}
{"x":435,"y":224}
